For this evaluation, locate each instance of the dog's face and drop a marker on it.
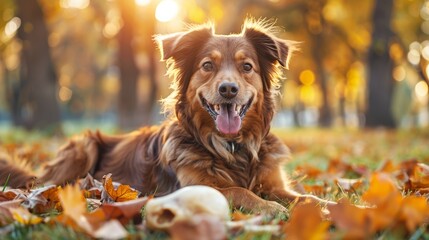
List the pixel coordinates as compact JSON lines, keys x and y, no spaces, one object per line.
{"x":224,"y":83}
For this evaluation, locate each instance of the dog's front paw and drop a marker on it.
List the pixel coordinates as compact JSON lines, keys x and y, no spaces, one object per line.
{"x":274,"y":209}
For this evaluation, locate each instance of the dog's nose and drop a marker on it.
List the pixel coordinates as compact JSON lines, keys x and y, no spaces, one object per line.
{"x":228,"y":89}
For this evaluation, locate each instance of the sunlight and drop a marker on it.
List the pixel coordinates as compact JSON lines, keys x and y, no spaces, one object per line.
{"x":307,"y":77}
{"x":413,"y":56}
{"x":399,"y":73}
{"x":12,"y":26}
{"x":421,"y":89}
{"x":142,"y":3}
{"x":65,"y":94}
{"x":79,"y":4}
{"x":166,"y":10}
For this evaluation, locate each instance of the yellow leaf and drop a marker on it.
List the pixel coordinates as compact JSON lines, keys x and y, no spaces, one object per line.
{"x":23,"y":216}
{"x":73,"y":202}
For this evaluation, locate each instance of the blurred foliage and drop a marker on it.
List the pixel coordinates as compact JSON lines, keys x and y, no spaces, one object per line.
{"x":328,"y":73}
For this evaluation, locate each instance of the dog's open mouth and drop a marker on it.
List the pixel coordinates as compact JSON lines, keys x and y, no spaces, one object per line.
{"x":227,"y":116}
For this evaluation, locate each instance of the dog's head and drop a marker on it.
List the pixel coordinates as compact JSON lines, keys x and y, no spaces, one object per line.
{"x":225,"y":82}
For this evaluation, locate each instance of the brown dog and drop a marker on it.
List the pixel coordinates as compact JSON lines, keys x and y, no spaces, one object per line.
{"x":217,"y":135}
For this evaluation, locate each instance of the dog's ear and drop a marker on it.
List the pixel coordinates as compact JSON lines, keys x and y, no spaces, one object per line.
{"x":268,"y":46}
{"x":177,"y":45}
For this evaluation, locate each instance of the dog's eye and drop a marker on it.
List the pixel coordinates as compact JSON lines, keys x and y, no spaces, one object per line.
{"x":208,"y":66}
{"x":247,"y":67}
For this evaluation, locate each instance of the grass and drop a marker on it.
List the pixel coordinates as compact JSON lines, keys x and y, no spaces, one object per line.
{"x":313,"y":147}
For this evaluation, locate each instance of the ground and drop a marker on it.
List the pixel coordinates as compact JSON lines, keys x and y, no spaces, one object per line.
{"x":379,"y":177}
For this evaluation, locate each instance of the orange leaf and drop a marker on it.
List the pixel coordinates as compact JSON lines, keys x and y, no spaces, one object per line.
{"x":353,"y":221}
{"x":122,"y":193}
{"x":385,"y":197}
{"x":238,"y":216}
{"x":122,"y":211}
{"x":414,"y":211}
{"x":43,"y":199}
{"x":381,"y":191}
{"x":306,"y":222}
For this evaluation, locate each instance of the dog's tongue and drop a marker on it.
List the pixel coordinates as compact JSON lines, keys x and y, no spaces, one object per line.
{"x":228,"y":121}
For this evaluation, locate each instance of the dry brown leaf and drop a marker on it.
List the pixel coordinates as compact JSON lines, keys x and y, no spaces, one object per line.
{"x":349,"y":185}
{"x":11,"y":194}
{"x":388,"y":167}
{"x":43,"y":199}
{"x":354,"y":222}
{"x":5,"y":215}
{"x":122,"y":193}
{"x":308,"y":171}
{"x":306,"y":222}
{"x":318,"y":190}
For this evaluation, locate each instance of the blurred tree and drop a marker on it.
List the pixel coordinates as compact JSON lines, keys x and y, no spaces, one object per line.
{"x":380,"y":67}
{"x":129,"y":73}
{"x":34,"y":103}
{"x":146,"y":33}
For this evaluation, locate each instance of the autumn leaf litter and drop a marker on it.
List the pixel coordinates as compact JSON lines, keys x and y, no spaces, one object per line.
{"x":390,"y":200}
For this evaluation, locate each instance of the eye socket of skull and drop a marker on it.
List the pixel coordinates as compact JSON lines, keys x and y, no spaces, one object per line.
{"x":165,"y":216}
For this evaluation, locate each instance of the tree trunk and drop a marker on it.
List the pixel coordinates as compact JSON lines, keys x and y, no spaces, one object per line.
{"x":380,"y":81}
{"x":151,"y":69}
{"x":128,"y":114}
{"x":34,"y":104}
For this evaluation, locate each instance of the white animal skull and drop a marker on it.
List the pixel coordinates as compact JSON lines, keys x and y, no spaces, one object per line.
{"x":163,"y":212}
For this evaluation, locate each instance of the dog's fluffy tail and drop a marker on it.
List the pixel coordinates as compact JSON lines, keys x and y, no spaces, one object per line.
{"x":13,"y":175}
{"x":74,"y":160}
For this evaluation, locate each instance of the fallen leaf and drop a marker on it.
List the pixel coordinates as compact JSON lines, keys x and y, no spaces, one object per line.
{"x":23,"y":216}
{"x":306,"y":222}
{"x":73,"y":202}
{"x":5,"y":214}
{"x":122,"y":193}
{"x":110,"y":230}
{"x":43,"y":199}
{"x":385,"y":198}
{"x":414,"y":211}
{"x":11,"y":194}
{"x":239,"y":216}
{"x":349,"y":185}
{"x":354,"y":222}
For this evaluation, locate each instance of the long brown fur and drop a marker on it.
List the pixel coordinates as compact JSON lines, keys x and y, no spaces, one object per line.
{"x":187,"y":149}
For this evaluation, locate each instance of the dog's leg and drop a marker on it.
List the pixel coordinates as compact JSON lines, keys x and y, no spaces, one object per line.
{"x":78,"y":157}
{"x":276,"y":188}
{"x":243,"y":198}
